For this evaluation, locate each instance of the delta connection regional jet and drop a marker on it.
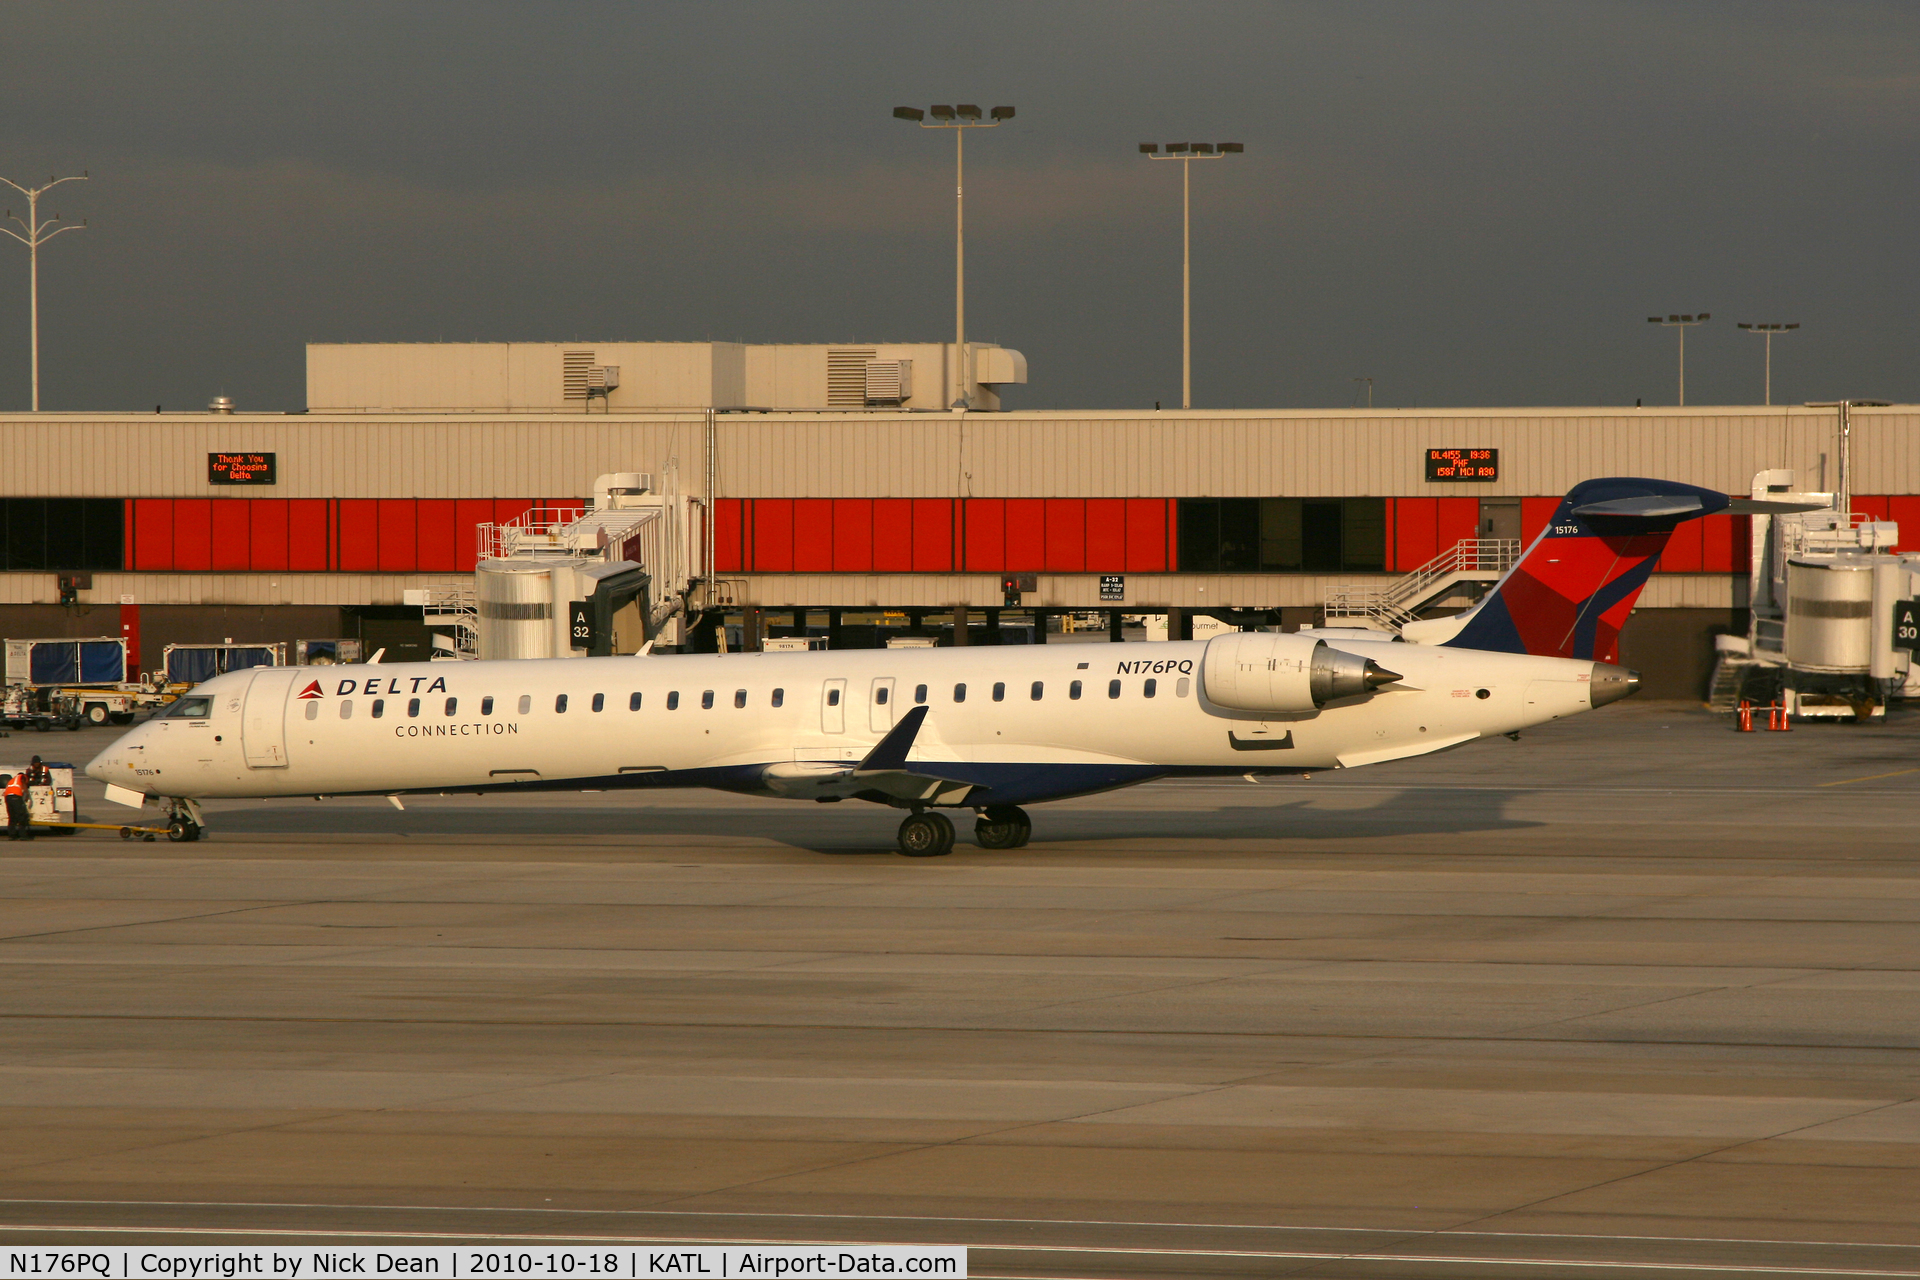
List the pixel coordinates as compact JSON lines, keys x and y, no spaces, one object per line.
{"x":985,"y":729}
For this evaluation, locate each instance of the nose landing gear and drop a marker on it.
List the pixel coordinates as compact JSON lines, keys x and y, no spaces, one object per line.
{"x":183,"y":824}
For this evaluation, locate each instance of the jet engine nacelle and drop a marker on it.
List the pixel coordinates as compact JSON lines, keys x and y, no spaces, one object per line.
{"x":1284,"y":674}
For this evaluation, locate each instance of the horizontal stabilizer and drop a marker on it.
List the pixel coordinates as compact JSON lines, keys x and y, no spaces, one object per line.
{"x":1644,"y":508}
{"x":1770,"y":507}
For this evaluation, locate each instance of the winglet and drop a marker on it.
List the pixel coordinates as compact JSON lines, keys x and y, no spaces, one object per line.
{"x":891,"y":751}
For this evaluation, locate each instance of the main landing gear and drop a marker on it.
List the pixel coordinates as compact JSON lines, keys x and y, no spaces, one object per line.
{"x":1002,"y":826}
{"x":928,"y":834}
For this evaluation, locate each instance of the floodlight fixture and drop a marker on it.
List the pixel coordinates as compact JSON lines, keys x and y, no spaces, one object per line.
{"x":959,"y":119}
{"x":1767,"y":331}
{"x":1682,"y":323}
{"x":1186,"y":153}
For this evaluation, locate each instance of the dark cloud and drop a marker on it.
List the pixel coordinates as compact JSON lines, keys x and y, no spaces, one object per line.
{"x":1472,"y":203}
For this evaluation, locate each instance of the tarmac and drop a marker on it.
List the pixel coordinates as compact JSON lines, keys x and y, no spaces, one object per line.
{"x":1635,"y":995}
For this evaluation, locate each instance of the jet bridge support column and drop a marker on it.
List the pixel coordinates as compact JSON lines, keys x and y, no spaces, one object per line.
{"x":1115,"y":627}
{"x":960,"y":624}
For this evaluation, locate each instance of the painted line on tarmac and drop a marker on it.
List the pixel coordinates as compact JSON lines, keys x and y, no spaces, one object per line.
{"x":1869,"y":778}
{"x":1265,"y":1255}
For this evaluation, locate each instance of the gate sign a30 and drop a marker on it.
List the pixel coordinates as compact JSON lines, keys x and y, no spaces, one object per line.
{"x":1906,"y":625}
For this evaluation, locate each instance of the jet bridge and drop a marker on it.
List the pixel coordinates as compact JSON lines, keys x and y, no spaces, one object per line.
{"x":589,"y":581}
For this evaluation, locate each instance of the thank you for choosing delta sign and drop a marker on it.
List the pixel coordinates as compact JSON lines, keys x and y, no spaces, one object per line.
{"x":242,"y":468}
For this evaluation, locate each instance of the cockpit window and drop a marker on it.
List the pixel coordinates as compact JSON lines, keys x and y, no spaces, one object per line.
{"x":190,"y":709}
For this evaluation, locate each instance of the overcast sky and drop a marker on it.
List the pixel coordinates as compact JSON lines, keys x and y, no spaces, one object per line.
{"x":1472,"y":203}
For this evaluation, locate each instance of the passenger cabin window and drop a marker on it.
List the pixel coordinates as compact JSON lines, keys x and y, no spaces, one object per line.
{"x":633,"y":702}
{"x":1181,"y":686}
{"x":1038,"y":689}
{"x":486,"y":705}
{"x":346,"y":708}
{"x":452,"y":704}
{"x":673,"y":700}
{"x":880,"y":695}
{"x":833,"y":697}
{"x":599,"y":702}
{"x":959,"y":693}
{"x":526,"y":703}
{"x":1073,"y":690}
{"x":1151,"y":687}
{"x":1113,"y":688}
{"x":919,"y":693}
{"x":313,"y":710}
{"x":739,"y":697}
{"x":190,"y":709}
{"x":379,"y":708}
{"x":560,"y":702}
{"x":706,"y":700}
{"x":999,"y":691}
{"x":779,"y":696}
{"x":413,"y":707}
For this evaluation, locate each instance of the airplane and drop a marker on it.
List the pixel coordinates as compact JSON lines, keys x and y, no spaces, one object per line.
{"x":986,"y":729}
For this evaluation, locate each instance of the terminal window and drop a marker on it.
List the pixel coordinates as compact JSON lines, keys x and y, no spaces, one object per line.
{"x":61,"y":533}
{"x":1282,"y":535}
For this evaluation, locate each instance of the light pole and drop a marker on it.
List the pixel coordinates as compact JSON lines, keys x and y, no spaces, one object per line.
{"x":37,"y":235}
{"x":1682,"y":323}
{"x":1767,"y":331}
{"x":959,"y":119}
{"x":1356,"y":392}
{"x":1186,"y":153}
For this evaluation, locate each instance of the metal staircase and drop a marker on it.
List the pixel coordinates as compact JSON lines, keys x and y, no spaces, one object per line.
{"x":1392,"y":606}
{"x":453,"y":607}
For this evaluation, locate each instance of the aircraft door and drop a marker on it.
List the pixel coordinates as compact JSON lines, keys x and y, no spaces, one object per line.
{"x":263,"y":717}
{"x":880,"y":705}
{"x":833,"y":707}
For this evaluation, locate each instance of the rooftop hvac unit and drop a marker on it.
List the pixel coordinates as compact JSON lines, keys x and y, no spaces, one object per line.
{"x":889,"y":381}
{"x":602,"y":379}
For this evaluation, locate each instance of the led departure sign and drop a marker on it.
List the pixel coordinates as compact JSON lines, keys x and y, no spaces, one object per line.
{"x":242,"y":468}
{"x":1463,"y":464}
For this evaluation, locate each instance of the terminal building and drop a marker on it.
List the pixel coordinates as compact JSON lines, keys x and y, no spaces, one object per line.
{"x":835,"y":484}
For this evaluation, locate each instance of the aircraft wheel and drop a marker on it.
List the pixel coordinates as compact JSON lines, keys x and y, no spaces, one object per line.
{"x":1003,"y":826}
{"x":926,"y":835}
{"x":182,"y":831}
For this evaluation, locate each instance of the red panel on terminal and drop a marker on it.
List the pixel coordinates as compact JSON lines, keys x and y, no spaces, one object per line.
{"x":892,"y":535}
{"x":307,"y":534}
{"x":152,"y":534}
{"x":933,"y":535}
{"x":1106,"y":526}
{"x":268,"y":534}
{"x":231,"y":541}
{"x":1026,"y":546}
{"x":399,"y":552}
{"x":359,"y":535}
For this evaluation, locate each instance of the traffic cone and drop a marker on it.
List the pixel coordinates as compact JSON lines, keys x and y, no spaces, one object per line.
{"x":1777,"y":717}
{"x":1746,"y":716}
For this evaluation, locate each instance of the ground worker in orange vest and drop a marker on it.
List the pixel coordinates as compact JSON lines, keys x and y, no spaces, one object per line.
{"x":18,"y":824}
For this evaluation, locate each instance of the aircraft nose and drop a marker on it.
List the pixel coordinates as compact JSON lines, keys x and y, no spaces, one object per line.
{"x":1611,"y":683}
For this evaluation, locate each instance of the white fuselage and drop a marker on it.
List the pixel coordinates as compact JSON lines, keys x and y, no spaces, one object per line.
{"x":1069,"y":718}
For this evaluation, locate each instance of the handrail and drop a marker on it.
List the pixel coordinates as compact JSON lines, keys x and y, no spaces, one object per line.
{"x":1393,"y":606}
